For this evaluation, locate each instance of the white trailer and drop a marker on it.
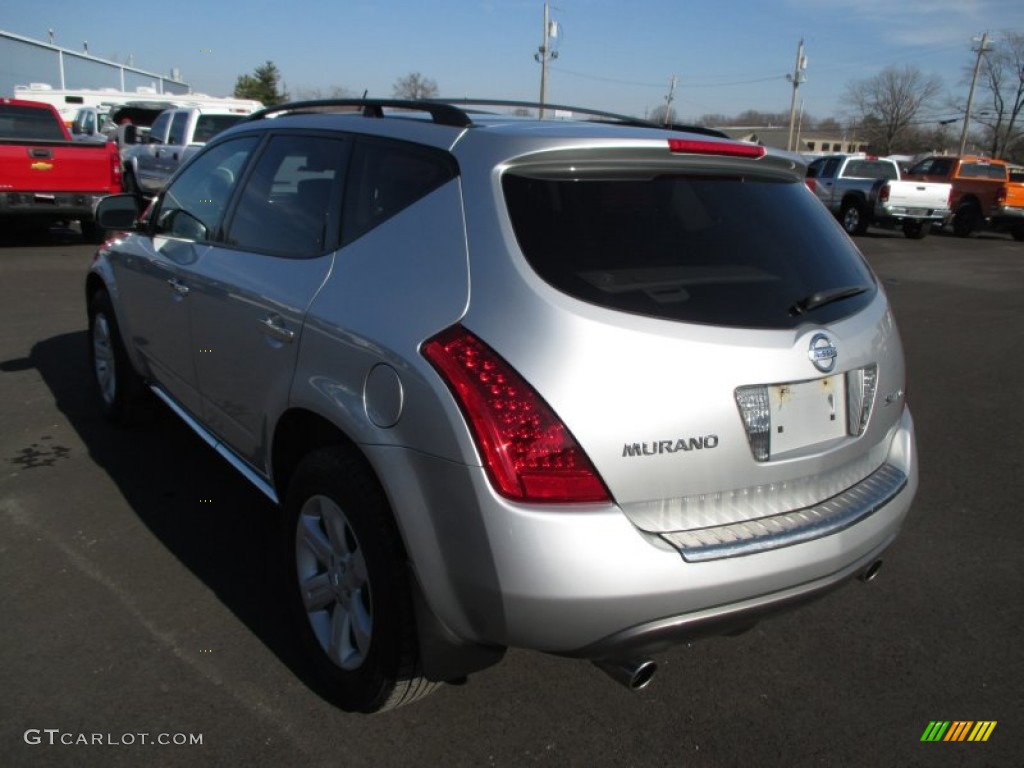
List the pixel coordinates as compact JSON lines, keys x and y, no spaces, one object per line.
{"x":69,"y":101}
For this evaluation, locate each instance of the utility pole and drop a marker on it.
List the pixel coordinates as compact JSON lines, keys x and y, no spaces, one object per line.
{"x":545,"y":54}
{"x":796,"y":78}
{"x":668,"y":99}
{"x":970,"y":95}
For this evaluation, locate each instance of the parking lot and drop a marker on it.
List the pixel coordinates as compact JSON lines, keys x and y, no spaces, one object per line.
{"x":140,"y":597}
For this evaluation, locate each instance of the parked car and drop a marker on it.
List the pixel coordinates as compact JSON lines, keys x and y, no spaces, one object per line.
{"x":173,"y":137}
{"x":590,"y":387}
{"x":45,"y":176}
{"x":984,"y":196}
{"x":862,"y":190}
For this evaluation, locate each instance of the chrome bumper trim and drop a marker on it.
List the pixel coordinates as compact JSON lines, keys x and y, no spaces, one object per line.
{"x":788,"y":528}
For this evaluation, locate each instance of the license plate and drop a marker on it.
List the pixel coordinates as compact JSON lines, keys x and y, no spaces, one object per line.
{"x":806,"y":413}
{"x":917,"y":211}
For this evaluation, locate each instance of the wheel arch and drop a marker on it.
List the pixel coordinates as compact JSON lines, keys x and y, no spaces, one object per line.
{"x":854,"y":198}
{"x":969,"y":199}
{"x":444,"y":655}
{"x":299,"y":432}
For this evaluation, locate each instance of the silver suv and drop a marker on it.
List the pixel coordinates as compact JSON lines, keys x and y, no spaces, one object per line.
{"x":587,"y":386}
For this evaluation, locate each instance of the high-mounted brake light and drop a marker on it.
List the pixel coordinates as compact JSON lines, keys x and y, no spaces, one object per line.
{"x":528,"y":453}
{"x":728,"y":149}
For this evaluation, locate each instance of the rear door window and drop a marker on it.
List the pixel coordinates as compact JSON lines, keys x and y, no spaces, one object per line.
{"x":714,"y":249}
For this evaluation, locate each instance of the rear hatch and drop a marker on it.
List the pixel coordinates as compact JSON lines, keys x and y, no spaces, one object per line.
{"x":699,"y":323}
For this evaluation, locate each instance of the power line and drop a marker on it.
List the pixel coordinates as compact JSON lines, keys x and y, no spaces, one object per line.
{"x":603,"y":79}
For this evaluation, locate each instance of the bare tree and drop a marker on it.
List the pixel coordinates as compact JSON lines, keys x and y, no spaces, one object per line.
{"x":414,"y":86}
{"x":1002,"y":76}
{"x":890,"y":103}
{"x":315,"y":94}
{"x":662,"y":115}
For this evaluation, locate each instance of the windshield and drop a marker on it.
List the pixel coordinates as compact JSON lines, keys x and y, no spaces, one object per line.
{"x":722,"y":250}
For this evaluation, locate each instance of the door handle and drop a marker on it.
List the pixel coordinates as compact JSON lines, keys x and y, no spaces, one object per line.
{"x":178,"y":287}
{"x":273,"y":326}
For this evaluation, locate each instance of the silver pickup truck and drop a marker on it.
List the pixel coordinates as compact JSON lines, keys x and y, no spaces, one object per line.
{"x":175,"y":136}
{"x":861,"y":190}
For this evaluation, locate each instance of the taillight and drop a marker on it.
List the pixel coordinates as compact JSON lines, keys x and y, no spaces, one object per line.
{"x":883,"y":193}
{"x":528,"y":453}
{"x":1001,"y":196}
{"x":812,"y":184}
{"x":115,"y":167}
{"x":729,"y":149}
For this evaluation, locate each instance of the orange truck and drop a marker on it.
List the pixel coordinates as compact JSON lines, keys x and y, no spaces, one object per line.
{"x":985,"y":192}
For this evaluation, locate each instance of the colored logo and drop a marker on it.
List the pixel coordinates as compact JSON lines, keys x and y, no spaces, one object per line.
{"x":958,"y":730}
{"x":42,"y":165}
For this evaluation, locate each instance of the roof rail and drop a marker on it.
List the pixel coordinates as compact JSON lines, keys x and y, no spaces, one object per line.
{"x":618,"y":118}
{"x":440,"y":113}
{"x":450,"y":111}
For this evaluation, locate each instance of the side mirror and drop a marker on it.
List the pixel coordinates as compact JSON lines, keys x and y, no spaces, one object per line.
{"x":76,"y":128}
{"x":117,"y":212}
{"x":130,"y":135}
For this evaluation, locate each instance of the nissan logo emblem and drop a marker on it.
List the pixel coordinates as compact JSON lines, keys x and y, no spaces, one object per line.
{"x":822,"y":353}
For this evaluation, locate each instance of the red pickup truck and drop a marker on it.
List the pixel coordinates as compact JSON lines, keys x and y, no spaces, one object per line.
{"x":45,"y":176}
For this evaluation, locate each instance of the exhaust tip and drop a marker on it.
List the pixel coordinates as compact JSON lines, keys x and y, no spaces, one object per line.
{"x":869,"y":573}
{"x":634,"y":674}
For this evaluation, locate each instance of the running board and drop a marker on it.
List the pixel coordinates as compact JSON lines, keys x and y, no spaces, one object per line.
{"x":246,"y":471}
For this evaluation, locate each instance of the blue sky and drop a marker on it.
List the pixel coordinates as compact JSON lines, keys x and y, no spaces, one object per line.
{"x":617,"y":55}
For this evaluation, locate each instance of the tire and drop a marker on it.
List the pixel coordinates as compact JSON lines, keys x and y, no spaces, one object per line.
{"x":128,"y":183}
{"x":348,"y":584}
{"x":916,"y":230}
{"x":853,"y":218}
{"x":120,"y":390}
{"x":966,"y":220}
{"x":1018,"y":232}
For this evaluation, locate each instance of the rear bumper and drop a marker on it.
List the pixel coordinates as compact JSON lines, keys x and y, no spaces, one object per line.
{"x":1007,"y":215}
{"x":901,"y":213}
{"x":584,"y":581}
{"x":50,"y":205}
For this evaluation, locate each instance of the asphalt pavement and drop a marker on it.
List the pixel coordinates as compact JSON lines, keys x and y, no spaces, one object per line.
{"x":139,"y":604}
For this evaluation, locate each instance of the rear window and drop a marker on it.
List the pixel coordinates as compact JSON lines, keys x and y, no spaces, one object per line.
{"x":29,"y":123}
{"x":720,"y":250}
{"x":870,"y":169}
{"x":982,"y":171}
{"x":208,"y":126}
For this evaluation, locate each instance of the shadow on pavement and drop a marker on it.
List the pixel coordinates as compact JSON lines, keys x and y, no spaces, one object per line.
{"x":210,"y":518}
